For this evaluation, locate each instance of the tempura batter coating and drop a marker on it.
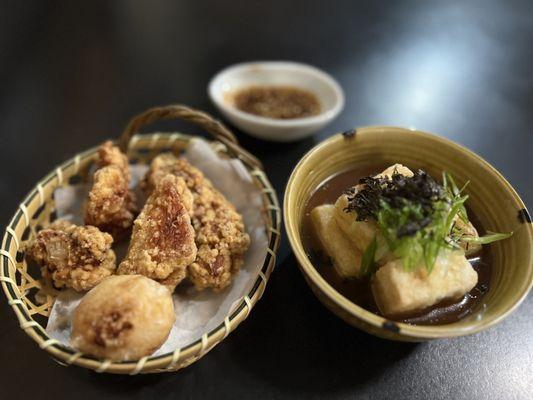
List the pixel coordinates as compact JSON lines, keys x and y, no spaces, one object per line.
{"x":162,"y":243}
{"x":77,"y":257}
{"x":220,"y":235}
{"x":111,"y":204}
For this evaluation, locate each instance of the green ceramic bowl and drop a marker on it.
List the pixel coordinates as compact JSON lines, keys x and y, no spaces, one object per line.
{"x":492,"y":199}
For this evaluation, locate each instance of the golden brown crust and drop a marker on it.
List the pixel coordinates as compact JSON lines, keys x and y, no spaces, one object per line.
{"x":123,"y":318}
{"x":220,"y":235}
{"x":162,"y":244}
{"x":111,"y":204}
{"x":73,"y":256}
{"x":111,"y":155}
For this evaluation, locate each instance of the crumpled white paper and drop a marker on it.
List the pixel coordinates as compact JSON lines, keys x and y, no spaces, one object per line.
{"x":196,"y":312}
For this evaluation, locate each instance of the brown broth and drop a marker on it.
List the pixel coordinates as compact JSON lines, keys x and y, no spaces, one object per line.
{"x":359,"y":290}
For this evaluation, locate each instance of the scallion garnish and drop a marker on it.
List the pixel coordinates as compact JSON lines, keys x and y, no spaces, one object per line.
{"x":368,"y":263}
{"x":416,"y":216}
{"x":490,"y":237}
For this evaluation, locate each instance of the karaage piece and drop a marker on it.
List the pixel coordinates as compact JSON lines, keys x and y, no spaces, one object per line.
{"x":78,"y":257}
{"x":111,"y":204}
{"x":220,"y":235}
{"x":111,"y":155}
{"x":162,"y":243}
{"x":124,"y":318}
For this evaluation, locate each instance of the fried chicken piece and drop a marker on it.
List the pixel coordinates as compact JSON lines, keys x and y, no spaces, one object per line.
{"x":111,"y":204}
{"x":78,"y":257}
{"x":111,"y":155}
{"x":162,"y":243}
{"x":220,"y":235}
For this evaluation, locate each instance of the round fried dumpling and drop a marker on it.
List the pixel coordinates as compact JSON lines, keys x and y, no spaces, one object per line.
{"x":124,"y":318}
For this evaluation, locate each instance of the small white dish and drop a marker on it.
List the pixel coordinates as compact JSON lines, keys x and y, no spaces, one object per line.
{"x":276,"y":73}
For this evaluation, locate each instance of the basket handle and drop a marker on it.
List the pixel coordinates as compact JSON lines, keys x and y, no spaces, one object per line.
{"x":196,"y":117}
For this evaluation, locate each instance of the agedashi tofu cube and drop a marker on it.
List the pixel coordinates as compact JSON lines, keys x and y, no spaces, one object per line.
{"x":345,"y":257}
{"x":398,"y":168}
{"x":360,"y":233}
{"x":398,"y":291}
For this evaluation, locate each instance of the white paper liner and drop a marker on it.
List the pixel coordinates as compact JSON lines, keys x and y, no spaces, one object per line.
{"x":196,"y":312}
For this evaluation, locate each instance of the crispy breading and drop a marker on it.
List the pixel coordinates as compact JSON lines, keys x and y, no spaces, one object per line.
{"x":111,"y":204}
{"x":220,"y":234}
{"x":77,"y":257}
{"x":162,"y":243}
{"x":111,"y":155}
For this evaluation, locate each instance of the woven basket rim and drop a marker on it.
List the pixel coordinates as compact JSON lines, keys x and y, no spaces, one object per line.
{"x":181,"y":357}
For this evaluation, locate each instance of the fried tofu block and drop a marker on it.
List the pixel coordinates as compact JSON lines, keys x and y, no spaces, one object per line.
{"x":400,"y":292}
{"x":361,"y":233}
{"x":399,"y":168}
{"x":345,"y":256}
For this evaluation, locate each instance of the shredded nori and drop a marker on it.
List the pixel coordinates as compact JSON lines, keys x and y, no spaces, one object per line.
{"x":415,"y":215}
{"x":420,"y":190}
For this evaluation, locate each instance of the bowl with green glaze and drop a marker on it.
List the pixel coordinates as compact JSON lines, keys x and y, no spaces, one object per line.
{"x":491,"y":198}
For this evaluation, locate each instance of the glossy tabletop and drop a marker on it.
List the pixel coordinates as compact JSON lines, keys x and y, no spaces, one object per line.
{"x":72,"y":74}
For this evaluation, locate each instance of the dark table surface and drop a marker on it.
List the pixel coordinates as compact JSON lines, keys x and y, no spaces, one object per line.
{"x":72,"y":73}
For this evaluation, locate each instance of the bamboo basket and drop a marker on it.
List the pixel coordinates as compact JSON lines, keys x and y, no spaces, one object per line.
{"x":20,"y":281}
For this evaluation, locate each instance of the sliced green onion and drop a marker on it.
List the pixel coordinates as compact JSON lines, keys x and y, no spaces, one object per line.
{"x":490,"y":237}
{"x":368,"y":264}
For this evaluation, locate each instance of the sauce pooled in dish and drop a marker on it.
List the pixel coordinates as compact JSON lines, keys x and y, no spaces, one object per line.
{"x":399,"y":244}
{"x":278,"y":102}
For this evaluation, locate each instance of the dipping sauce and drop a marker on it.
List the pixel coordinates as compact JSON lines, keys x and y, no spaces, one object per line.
{"x":359,"y":290}
{"x":278,"y":102}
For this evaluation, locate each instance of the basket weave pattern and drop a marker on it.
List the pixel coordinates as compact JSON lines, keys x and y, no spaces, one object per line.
{"x":37,"y":210}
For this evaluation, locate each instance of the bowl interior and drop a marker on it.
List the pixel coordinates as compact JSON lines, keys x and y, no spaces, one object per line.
{"x":227,"y":82}
{"x":492,"y":200}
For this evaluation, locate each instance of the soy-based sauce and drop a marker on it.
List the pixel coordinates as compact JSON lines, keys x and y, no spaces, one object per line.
{"x":359,"y":290}
{"x":278,"y":102}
